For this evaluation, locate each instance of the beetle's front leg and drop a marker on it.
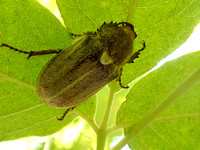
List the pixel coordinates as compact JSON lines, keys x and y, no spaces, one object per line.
{"x":78,"y":35}
{"x":32,"y":53}
{"x":119,"y":79}
{"x":131,"y":60}
{"x":136,"y":54}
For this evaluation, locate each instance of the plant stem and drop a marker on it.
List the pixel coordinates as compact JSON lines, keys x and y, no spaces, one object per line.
{"x":90,"y":122}
{"x":180,"y":90}
{"x":102,"y":132}
{"x":131,"y":10}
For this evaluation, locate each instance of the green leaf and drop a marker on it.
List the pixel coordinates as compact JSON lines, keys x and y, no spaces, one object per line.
{"x":82,"y":16}
{"x":28,"y":26}
{"x":178,"y":126}
{"x":164,"y":26}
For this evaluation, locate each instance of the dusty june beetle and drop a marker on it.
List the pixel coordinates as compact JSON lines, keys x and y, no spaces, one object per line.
{"x":92,"y":61}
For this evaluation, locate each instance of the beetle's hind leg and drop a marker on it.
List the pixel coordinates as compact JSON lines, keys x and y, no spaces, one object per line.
{"x":31,"y":53}
{"x":136,"y":54}
{"x":65,"y":113}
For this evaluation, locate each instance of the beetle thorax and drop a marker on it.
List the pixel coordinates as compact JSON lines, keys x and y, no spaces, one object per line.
{"x":117,"y":41}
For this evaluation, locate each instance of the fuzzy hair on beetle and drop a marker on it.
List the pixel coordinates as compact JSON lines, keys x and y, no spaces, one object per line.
{"x":81,"y":70}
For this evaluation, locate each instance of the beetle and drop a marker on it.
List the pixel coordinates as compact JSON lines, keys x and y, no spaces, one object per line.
{"x":93,"y":60}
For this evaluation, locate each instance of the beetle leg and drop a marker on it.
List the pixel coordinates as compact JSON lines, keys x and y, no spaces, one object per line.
{"x":32,"y":53}
{"x":78,"y":35}
{"x":119,"y":79}
{"x":136,"y":54}
{"x":75,"y":35}
{"x":65,"y":113}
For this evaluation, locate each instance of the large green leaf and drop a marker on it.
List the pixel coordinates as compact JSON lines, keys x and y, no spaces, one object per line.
{"x":28,"y":26}
{"x":164,"y":25}
{"x":178,"y":127}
